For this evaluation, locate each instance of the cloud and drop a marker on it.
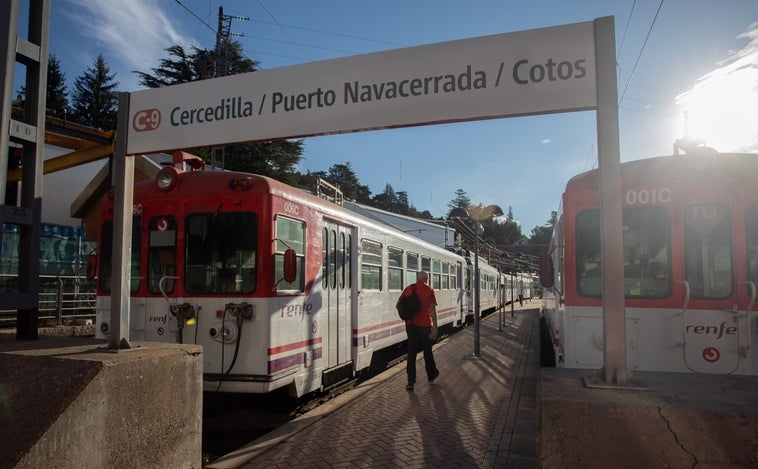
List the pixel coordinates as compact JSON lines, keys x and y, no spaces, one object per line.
{"x":547,"y":140}
{"x":134,"y":33}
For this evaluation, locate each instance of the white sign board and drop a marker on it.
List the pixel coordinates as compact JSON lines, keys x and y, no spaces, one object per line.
{"x":528,"y":72}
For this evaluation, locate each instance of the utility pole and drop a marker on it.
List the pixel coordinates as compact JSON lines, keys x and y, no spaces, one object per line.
{"x":223,"y":33}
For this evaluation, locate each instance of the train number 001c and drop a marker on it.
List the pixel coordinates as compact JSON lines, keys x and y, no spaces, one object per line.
{"x":648,"y":196}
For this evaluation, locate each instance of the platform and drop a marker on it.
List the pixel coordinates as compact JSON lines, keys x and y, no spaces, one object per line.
{"x":501,"y":410}
{"x":480,"y":412}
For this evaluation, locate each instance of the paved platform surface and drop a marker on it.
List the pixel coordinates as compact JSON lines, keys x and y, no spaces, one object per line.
{"x":479,"y":413}
{"x":501,"y":410}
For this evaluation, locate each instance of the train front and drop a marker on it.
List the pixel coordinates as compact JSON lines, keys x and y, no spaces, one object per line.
{"x":195,"y":263}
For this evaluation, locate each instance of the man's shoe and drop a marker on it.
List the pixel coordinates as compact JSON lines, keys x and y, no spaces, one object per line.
{"x":436,"y":374}
{"x":409,"y":387}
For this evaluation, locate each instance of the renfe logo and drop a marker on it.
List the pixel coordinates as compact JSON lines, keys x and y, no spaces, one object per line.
{"x":718,"y":331}
{"x":149,"y":119}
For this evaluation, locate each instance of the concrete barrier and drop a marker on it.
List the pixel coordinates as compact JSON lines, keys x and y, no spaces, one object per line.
{"x":84,"y":406}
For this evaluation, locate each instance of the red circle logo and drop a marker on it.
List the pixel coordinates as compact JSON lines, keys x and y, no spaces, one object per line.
{"x":711,"y":355}
{"x":160,"y":331}
{"x":314,"y":326}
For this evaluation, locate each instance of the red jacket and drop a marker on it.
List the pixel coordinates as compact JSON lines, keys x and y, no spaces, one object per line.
{"x":427,"y":297}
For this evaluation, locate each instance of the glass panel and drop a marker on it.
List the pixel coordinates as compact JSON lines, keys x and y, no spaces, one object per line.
{"x":221,"y":253}
{"x":371,"y":265}
{"x":333,"y":262}
{"x":394,"y":257}
{"x":395,"y":279}
{"x":325,"y":259}
{"x":349,"y":260}
{"x":708,"y":251}
{"x":751,"y":233}
{"x":426,"y":264}
{"x":647,"y":253}
{"x":289,"y":234}
{"x":343,"y":257}
{"x":161,"y":255}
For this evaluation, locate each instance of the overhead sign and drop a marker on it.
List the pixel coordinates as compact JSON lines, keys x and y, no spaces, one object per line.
{"x":528,"y":72}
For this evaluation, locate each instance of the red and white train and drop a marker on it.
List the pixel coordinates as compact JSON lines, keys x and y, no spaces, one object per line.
{"x":283,"y":289}
{"x":690,"y":241}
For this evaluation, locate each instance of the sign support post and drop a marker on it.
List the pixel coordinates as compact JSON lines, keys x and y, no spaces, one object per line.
{"x":614,"y":372}
{"x":123,"y":182}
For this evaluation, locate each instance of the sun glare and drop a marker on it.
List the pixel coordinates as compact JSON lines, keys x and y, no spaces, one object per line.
{"x":721,"y":109}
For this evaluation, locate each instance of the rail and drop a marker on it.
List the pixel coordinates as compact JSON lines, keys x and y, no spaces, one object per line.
{"x":63,"y":299}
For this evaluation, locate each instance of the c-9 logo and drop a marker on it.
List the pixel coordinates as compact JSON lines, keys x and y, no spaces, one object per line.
{"x":148,"y":119}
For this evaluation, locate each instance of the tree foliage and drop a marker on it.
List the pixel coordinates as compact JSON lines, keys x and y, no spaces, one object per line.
{"x":95,"y":99}
{"x":276,"y":159}
{"x":57,"y":94}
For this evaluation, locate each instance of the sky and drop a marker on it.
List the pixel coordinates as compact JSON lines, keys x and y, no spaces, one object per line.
{"x":684,"y":67}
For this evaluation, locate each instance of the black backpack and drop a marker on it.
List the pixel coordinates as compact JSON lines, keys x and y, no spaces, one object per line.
{"x":409,"y":305}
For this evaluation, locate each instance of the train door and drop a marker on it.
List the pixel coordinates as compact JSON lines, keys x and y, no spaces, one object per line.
{"x":337,"y":282}
{"x":747,"y":289}
{"x":711,"y":333}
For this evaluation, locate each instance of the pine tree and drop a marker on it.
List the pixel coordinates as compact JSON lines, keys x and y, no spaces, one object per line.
{"x":57,"y":96}
{"x":461,"y":200}
{"x":276,"y":159}
{"x":343,"y":176}
{"x":95,"y":99}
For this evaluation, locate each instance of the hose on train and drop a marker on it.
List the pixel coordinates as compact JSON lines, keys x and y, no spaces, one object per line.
{"x":240,"y":311}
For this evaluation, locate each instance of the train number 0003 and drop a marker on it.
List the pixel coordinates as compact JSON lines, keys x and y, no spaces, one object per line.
{"x":648,"y":196}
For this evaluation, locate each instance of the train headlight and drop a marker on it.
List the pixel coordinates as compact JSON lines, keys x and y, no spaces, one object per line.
{"x":241,"y":183}
{"x":166,"y":179}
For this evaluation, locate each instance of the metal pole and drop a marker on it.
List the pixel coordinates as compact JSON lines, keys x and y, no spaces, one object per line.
{"x":123,"y":174}
{"x":614,"y":372}
{"x":477,"y":353}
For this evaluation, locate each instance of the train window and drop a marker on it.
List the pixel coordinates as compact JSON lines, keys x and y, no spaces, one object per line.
{"x":371,"y":265}
{"x":751,"y":228}
{"x":290,"y":234}
{"x":349,"y":260}
{"x":161,"y":255}
{"x":325,"y":259}
{"x":343,"y":257}
{"x":647,"y":252}
{"x":333,"y":260}
{"x":106,"y":251}
{"x":445,"y":275}
{"x":436,"y":276}
{"x":394,"y":268}
{"x":426,"y":264}
{"x":411,"y":267}
{"x":220,"y":252}
{"x":708,"y":250}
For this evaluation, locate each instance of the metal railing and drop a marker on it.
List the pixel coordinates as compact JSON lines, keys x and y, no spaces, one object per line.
{"x":63,"y":299}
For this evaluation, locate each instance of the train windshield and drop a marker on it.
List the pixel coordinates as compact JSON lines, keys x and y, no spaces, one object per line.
{"x":647,"y":252}
{"x":708,"y":250}
{"x":221,"y":253}
{"x":752,"y":242}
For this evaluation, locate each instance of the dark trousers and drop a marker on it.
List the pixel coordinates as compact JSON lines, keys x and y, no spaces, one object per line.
{"x":419,"y":341}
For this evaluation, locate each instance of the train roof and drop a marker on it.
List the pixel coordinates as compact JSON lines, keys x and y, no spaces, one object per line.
{"x":214,"y":183}
{"x":737,"y":166}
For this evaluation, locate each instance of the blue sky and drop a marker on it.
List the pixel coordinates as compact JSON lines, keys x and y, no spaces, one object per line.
{"x":698,"y":56}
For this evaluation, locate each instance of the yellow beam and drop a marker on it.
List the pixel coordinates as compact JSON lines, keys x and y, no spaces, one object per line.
{"x":69,"y":160}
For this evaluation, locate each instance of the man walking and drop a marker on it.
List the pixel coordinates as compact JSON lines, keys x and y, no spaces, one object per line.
{"x":421,"y":329}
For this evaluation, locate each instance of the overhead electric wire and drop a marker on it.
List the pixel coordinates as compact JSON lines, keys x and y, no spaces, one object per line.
{"x":642,"y":49}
